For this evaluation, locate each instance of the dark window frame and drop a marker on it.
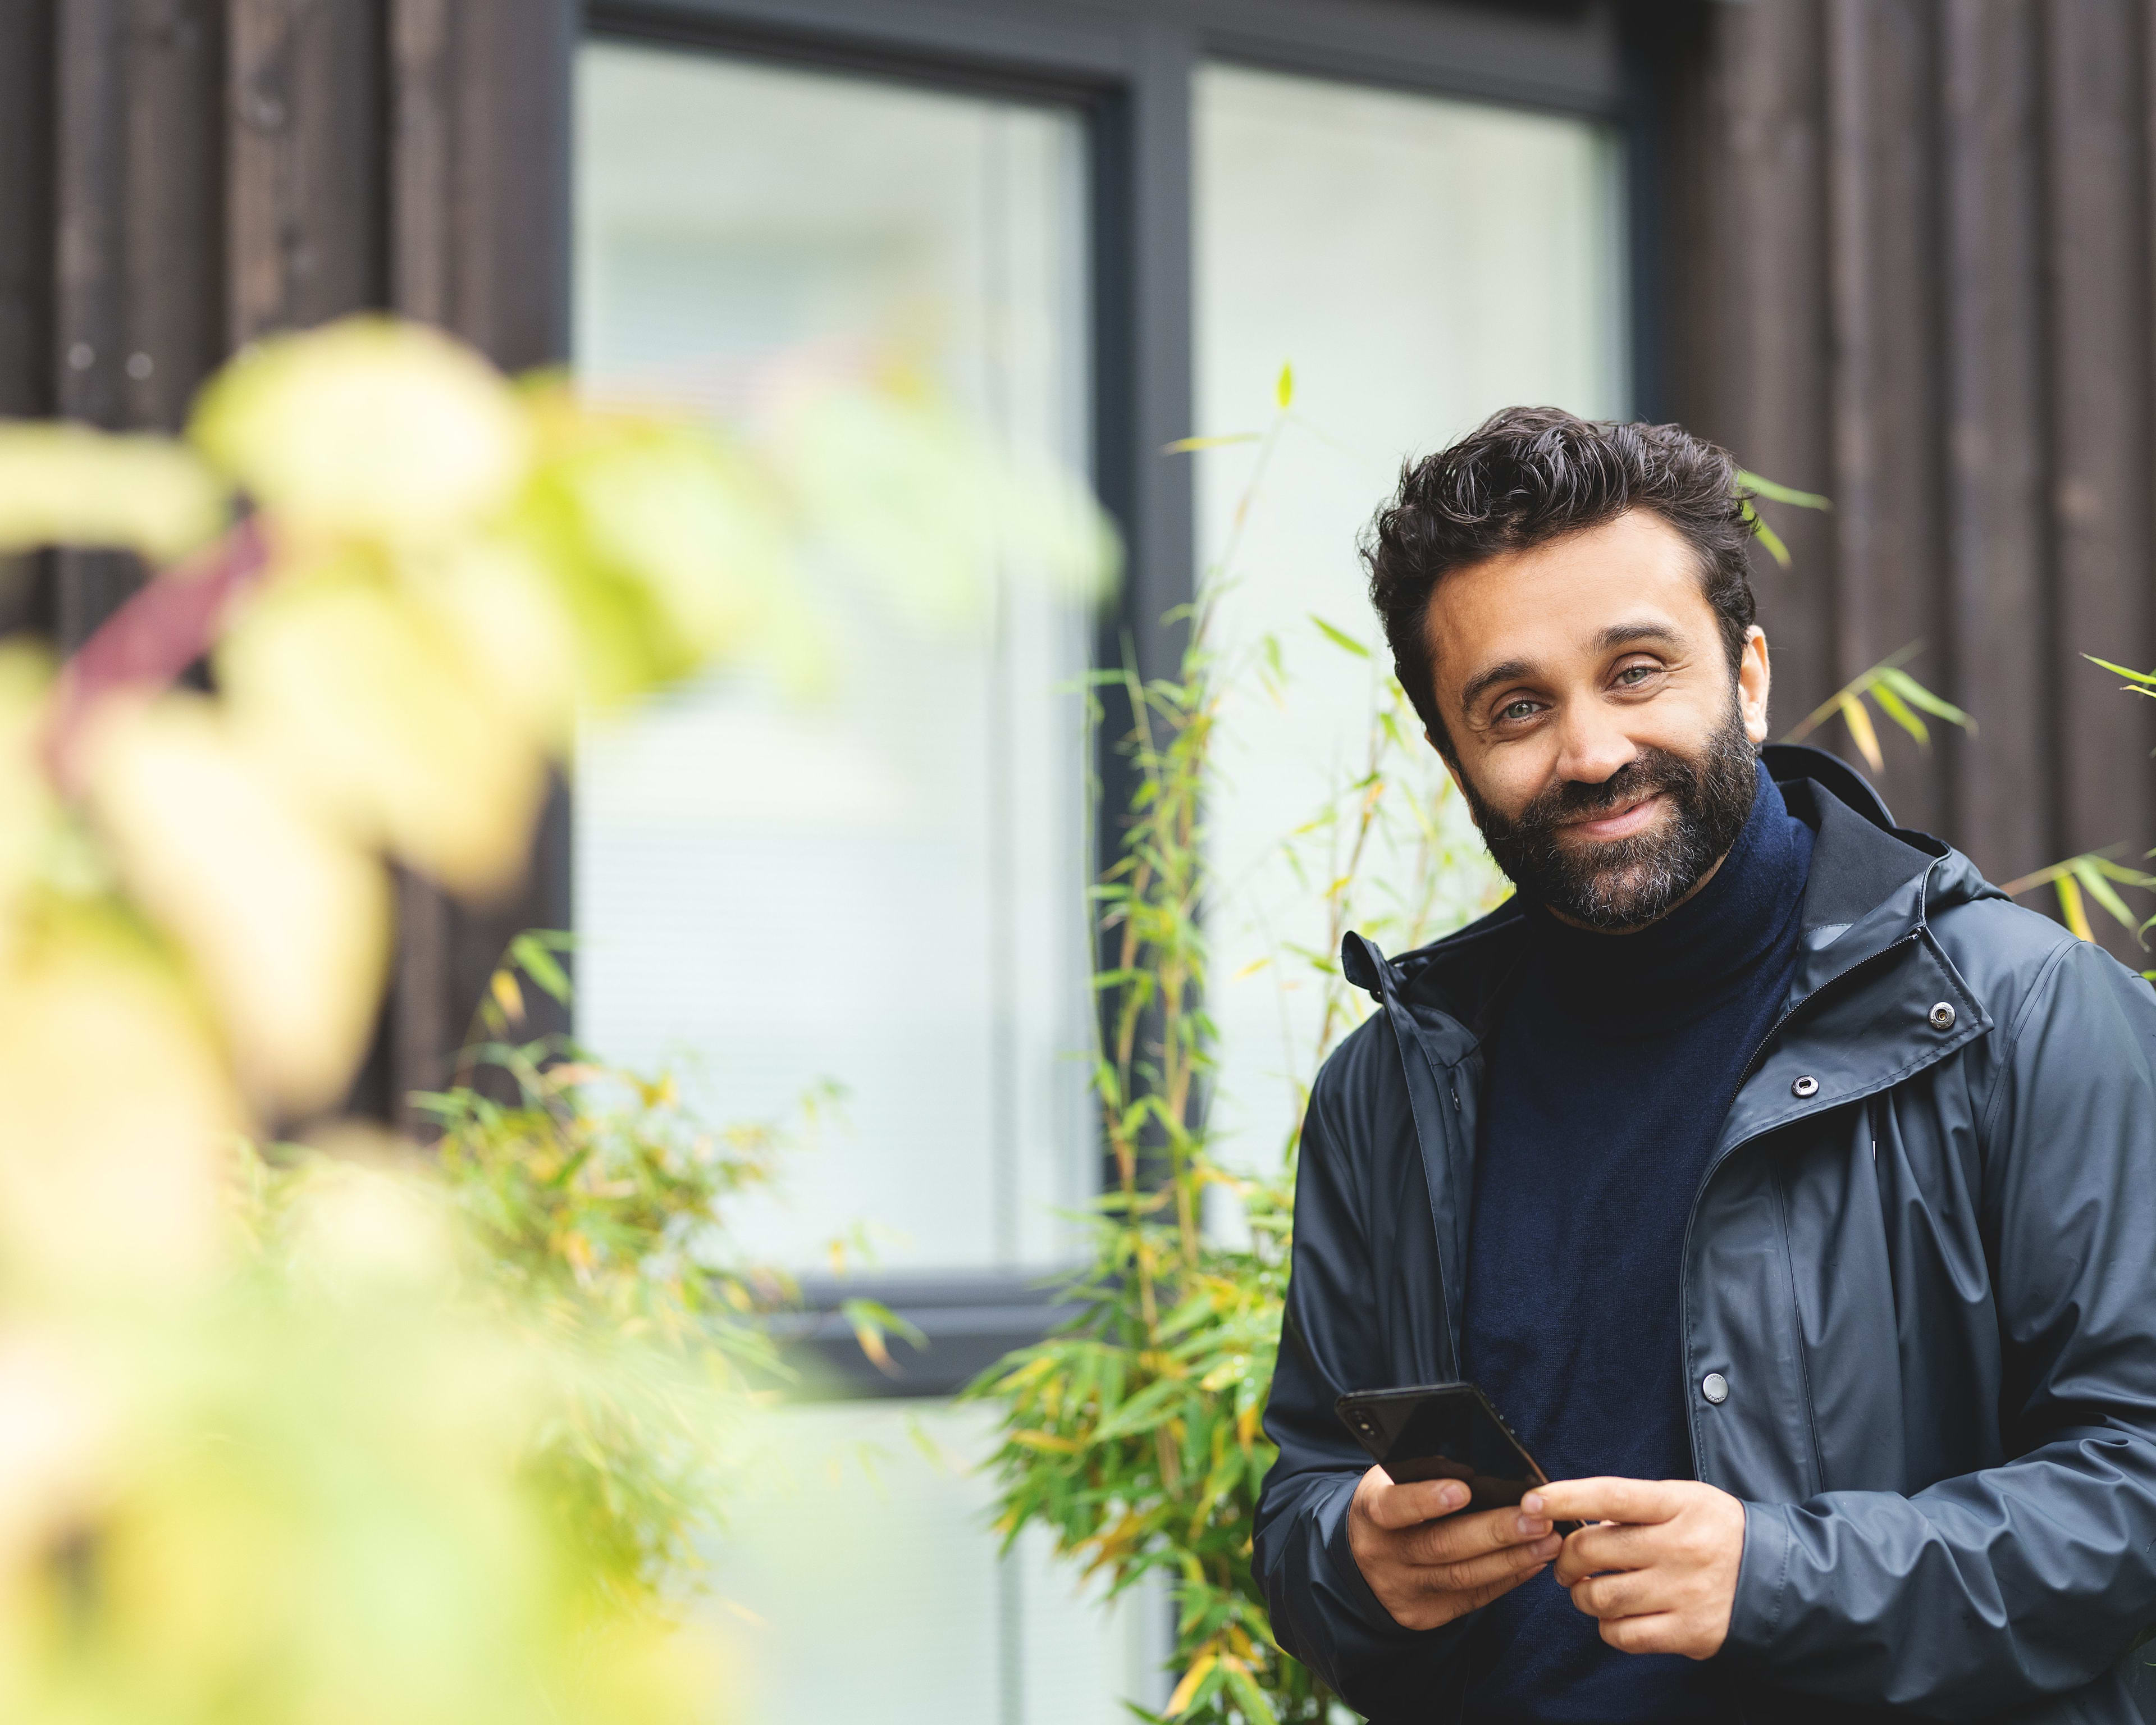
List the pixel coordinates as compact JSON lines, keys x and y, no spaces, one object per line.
{"x":1127,"y":66}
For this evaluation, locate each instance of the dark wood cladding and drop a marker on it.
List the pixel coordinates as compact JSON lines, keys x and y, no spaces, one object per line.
{"x":306,"y":239}
{"x":1927,"y":276}
{"x":183,"y":177}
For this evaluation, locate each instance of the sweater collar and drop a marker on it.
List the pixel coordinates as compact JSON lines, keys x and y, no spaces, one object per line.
{"x":1685,"y":962}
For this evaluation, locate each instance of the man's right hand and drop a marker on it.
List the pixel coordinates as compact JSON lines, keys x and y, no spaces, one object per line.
{"x":1428,"y":1564}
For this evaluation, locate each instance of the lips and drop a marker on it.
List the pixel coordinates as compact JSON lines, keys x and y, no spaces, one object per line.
{"x":1620,"y":824}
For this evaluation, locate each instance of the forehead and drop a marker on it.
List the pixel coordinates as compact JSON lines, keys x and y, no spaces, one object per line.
{"x":1552,"y":604}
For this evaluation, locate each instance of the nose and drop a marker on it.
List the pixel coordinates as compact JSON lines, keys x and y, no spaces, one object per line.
{"x":1591,"y":748}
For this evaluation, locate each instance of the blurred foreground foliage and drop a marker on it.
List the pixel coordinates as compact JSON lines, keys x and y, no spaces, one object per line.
{"x":341,"y":1434}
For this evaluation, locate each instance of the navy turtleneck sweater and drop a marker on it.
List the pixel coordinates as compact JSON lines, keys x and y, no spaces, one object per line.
{"x":1613,"y":1061}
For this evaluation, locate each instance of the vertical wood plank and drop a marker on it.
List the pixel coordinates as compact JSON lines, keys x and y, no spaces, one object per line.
{"x":28,"y":49}
{"x":28,"y":62}
{"x":2098,"y":194}
{"x":1887,"y":489}
{"x":91,"y":186}
{"x":306,"y":239}
{"x":1769,"y":398}
{"x":171,"y":267}
{"x":136,"y":319}
{"x":422,"y":261}
{"x":478,"y":132}
{"x":422,"y":161}
{"x":1997,"y":511}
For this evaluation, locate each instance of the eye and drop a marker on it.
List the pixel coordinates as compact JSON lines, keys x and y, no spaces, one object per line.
{"x":1516,"y":709}
{"x":1634,"y":675}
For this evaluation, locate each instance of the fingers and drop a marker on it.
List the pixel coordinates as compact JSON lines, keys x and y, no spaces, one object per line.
{"x":1459,"y":1538}
{"x":1623,"y":1595}
{"x":1658,"y":1632}
{"x":1606,"y":1500}
{"x":1394,"y":1506}
{"x":1503,"y":1569}
{"x":1613,"y":1546}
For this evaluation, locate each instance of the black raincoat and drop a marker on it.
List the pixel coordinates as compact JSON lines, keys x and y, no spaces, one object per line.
{"x":1922,"y":1256}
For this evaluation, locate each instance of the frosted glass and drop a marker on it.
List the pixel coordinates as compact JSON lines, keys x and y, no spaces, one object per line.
{"x":865,"y":1585}
{"x":1421,"y":262}
{"x":885,"y":891}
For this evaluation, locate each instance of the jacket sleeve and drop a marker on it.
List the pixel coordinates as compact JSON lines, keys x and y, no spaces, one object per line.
{"x":1987,"y":1591}
{"x":1323,"y":1611}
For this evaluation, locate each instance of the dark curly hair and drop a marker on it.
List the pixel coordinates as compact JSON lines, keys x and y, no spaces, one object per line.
{"x":1526,"y":476}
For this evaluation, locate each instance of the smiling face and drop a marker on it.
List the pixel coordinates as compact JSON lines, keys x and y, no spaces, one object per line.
{"x":1586,"y":693}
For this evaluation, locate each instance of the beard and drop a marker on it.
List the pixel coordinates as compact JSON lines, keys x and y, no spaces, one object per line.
{"x":1625,"y":883}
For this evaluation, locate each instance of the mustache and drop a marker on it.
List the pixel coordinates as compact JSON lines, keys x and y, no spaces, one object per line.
{"x":1655,"y":769}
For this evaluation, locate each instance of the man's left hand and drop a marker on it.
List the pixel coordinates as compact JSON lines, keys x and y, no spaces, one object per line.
{"x":1657,"y":1564}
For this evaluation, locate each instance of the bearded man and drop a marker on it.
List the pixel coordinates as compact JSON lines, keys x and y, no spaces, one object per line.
{"x":1789,"y":1190}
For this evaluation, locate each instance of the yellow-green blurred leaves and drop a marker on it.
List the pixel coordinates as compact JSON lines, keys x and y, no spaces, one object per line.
{"x":367,"y":428}
{"x":377,"y":713}
{"x":667,"y":544}
{"x":68,"y":484}
{"x":285,"y":924}
{"x":441,"y":571}
{"x":118,"y":1110}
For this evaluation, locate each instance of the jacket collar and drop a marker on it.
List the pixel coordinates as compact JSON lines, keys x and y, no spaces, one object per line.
{"x":1871,"y":885}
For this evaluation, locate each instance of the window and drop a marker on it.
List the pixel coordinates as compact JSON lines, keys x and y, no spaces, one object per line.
{"x":885,"y":891}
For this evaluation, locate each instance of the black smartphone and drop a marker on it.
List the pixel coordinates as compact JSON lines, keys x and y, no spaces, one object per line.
{"x":1432,"y":1431}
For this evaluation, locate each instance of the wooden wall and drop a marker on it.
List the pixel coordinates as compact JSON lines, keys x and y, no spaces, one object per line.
{"x":1912,"y":252}
{"x":180,"y":177}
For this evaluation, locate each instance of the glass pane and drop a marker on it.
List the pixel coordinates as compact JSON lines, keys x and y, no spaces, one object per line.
{"x":1420,"y":262}
{"x":866,"y":1587}
{"x":885,"y":891}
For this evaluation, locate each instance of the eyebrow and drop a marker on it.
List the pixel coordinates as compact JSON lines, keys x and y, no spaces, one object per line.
{"x":1618,"y":634}
{"x":1622,"y":634}
{"x":1483,"y":682}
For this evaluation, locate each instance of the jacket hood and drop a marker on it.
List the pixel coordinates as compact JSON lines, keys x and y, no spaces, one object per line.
{"x":1869,"y":878}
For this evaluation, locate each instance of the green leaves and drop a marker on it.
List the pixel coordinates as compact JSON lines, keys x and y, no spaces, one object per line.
{"x":1896,"y":694}
{"x":1340,"y":637}
{"x":2093,"y":874}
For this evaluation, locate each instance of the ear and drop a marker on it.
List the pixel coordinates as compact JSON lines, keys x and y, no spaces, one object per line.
{"x":1754,"y":676}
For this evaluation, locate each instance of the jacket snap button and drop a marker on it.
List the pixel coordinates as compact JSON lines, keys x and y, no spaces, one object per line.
{"x":1806,"y":1086}
{"x":1715,"y":1387}
{"x":1942,"y":1017}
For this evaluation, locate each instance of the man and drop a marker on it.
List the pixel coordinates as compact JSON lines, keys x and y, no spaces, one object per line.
{"x":1789,"y":1190}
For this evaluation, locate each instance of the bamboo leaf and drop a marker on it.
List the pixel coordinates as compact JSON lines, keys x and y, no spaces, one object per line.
{"x":2071,"y":907}
{"x":2120,"y":671}
{"x":535,"y":953}
{"x":1769,"y":540}
{"x":1187,"y":1690}
{"x":1917,"y":694}
{"x":1778,"y":493}
{"x":1860,"y":731}
{"x":1284,"y":389}
{"x":1896,"y":709}
{"x":1340,"y":637}
{"x":2091,"y":881}
{"x":1049,"y":1440}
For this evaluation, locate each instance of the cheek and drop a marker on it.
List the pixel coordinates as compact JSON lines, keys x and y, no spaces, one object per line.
{"x":1510,"y":778}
